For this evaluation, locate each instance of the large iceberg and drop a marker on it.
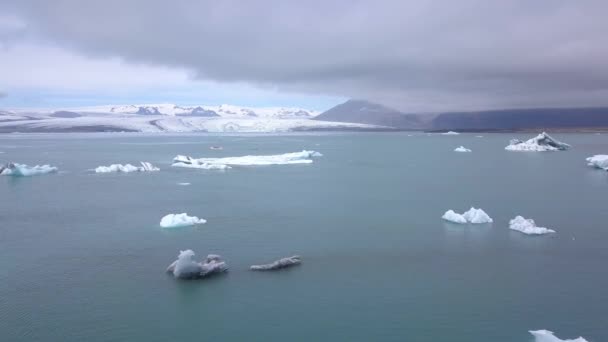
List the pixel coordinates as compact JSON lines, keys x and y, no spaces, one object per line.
{"x":528,"y":226}
{"x":180,"y":220}
{"x":186,"y":268}
{"x":303,"y":157}
{"x":22,"y":170}
{"x":279,"y":264}
{"x":473,"y":215}
{"x":462,"y":149}
{"x":547,"y":336}
{"x":145,"y":167}
{"x":541,"y":143}
{"x":599,"y":160}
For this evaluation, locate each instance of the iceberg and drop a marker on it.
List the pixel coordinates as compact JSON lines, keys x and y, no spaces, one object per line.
{"x":303,"y":157}
{"x":473,"y":215}
{"x":183,"y":184}
{"x":145,"y":167}
{"x":528,"y":226}
{"x":450,"y":133}
{"x":279,"y":264}
{"x":541,"y":143}
{"x":22,"y":170}
{"x":547,"y":336}
{"x":186,"y":268}
{"x":462,"y":149}
{"x":180,"y":220}
{"x":599,"y":160}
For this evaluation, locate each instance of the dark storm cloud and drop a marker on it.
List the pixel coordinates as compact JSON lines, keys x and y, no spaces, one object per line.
{"x":423,"y":55}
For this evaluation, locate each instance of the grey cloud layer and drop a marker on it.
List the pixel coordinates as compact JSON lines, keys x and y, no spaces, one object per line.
{"x":424,"y":55}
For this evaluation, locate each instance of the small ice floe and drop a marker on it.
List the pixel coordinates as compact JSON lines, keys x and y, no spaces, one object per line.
{"x":303,"y":157}
{"x":450,"y":133}
{"x":279,"y":264}
{"x":145,"y":167}
{"x":473,"y":215}
{"x":528,"y":226}
{"x":547,"y":336}
{"x":216,"y":148}
{"x":541,"y":143}
{"x":599,"y":160}
{"x":183,"y":184}
{"x":186,"y":268}
{"x":462,"y":149}
{"x":22,"y":170}
{"x":180,"y":220}
{"x":479,"y":136}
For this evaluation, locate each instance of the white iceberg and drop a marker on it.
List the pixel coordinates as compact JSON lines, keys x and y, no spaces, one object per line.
{"x":450,"y":133}
{"x":279,"y":264}
{"x":22,"y":170}
{"x":303,"y":157}
{"x":541,"y":143}
{"x":473,"y":215}
{"x":528,"y":226}
{"x":186,"y":268}
{"x":180,"y":220}
{"x":547,"y":336}
{"x":145,"y":167}
{"x":462,"y":149}
{"x":599,"y":160}
{"x":183,"y":184}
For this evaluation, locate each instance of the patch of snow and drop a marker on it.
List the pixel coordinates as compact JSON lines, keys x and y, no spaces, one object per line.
{"x":186,"y":268}
{"x":541,"y":143}
{"x":22,"y":170}
{"x":303,"y":157}
{"x":450,"y":133}
{"x":462,"y":149}
{"x":145,"y":167}
{"x":599,"y":160}
{"x":279,"y":264}
{"x":473,"y":215}
{"x":528,"y":226}
{"x":180,"y":220}
{"x":547,"y":336}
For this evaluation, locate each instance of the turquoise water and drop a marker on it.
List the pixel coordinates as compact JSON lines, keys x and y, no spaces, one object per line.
{"x":82,"y":256}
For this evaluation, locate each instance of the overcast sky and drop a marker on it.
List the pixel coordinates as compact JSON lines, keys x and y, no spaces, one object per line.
{"x":413,"y":55}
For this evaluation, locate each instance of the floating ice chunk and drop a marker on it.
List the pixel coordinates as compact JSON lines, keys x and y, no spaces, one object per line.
{"x":276,"y":265}
{"x":303,"y":157}
{"x":473,"y":215}
{"x":599,"y":160}
{"x":450,"y":133}
{"x":541,"y":143}
{"x":479,"y":136}
{"x":528,"y":226}
{"x":180,"y":220}
{"x":22,"y":170}
{"x":183,"y":184}
{"x":186,"y":268}
{"x":462,"y":149}
{"x":145,"y":167}
{"x":547,"y":336}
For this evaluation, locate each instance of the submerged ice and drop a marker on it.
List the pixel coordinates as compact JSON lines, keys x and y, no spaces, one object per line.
{"x":462,"y":149}
{"x":22,"y":170}
{"x":186,"y":268}
{"x":548,"y":336}
{"x":528,"y":226}
{"x":180,"y":220}
{"x":145,"y":167}
{"x":599,"y":160}
{"x":278,"y":264}
{"x":303,"y":157}
{"x":473,"y":215}
{"x":541,"y":143}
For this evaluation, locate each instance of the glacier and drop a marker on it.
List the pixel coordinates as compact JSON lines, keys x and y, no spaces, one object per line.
{"x":599,"y":160}
{"x":180,"y":220}
{"x":541,"y":143}
{"x":473,"y":215}
{"x":548,"y":336}
{"x":186,"y":268}
{"x":303,"y":157}
{"x":23,"y":170}
{"x":278,"y":264}
{"x":528,"y":226}
{"x":462,"y":149}
{"x":145,"y":167}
